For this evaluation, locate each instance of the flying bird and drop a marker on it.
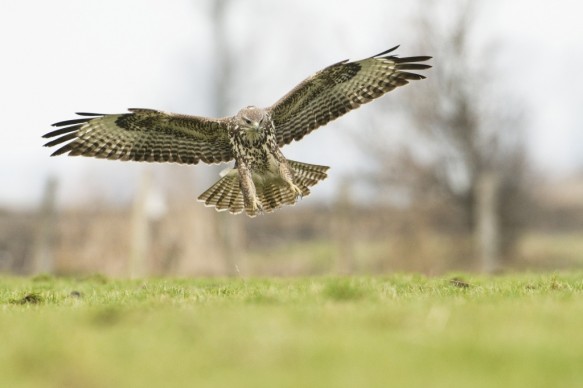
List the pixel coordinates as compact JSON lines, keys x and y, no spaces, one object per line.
{"x":262,"y":179}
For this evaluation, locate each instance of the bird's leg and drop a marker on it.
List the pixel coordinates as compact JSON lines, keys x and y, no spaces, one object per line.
{"x":288,"y":177}
{"x":296,"y":189}
{"x":248,"y":188}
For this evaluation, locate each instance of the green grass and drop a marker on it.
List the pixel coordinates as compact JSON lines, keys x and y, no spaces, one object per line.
{"x":514,"y":330}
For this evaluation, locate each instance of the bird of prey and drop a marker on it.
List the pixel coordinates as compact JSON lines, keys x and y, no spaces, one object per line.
{"x":262,"y":179}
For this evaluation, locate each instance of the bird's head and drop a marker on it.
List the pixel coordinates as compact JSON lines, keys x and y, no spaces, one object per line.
{"x":252,"y":121}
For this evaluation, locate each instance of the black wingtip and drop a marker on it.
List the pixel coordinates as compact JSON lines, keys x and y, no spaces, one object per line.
{"x":89,"y":114}
{"x":63,"y":131}
{"x":411,"y":76}
{"x":412,"y":66}
{"x":387,"y":51}
{"x":70,"y":122}
{"x":60,"y":140}
{"x":420,"y":58}
{"x":61,"y":151}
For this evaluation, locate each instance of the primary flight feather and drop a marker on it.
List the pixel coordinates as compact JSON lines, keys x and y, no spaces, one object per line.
{"x":262,"y":179}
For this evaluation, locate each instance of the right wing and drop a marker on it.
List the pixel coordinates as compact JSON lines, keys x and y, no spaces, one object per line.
{"x":338,"y":89}
{"x":144,"y":135}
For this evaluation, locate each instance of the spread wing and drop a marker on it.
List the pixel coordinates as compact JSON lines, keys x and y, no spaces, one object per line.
{"x":144,"y":135}
{"x":339,"y":88}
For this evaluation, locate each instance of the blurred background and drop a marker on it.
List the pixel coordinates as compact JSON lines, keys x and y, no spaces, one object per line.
{"x":477,"y":168}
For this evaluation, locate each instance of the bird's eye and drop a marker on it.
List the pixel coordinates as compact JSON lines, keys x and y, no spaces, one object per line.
{"x":247,"y":121}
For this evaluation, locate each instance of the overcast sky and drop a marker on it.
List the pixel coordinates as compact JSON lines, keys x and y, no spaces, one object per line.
{"x":63,"y":56}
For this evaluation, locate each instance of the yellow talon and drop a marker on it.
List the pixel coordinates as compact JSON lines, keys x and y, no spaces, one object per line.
{"x":296,"y":190}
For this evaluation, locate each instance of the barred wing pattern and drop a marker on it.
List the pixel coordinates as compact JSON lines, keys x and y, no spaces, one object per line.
{"x":144,"y":135}
{"x":263,"y":179}
{"x":339,"y":88}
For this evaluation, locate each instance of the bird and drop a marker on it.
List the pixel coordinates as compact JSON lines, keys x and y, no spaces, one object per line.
{"x":262,"y":178}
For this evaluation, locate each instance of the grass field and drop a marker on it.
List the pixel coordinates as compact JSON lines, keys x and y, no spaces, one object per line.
{"x":401,"y":331}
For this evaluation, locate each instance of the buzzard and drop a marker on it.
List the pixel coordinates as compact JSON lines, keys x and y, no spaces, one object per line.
{"x":262,"y":179}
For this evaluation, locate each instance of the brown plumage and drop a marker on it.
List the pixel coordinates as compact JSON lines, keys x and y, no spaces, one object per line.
{"x":262,"y":179}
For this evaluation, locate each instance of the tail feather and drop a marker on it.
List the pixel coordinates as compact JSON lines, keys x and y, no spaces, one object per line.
{"x":276,"y":194}
{"x":226,"y":193}
{"x":308,"y":175}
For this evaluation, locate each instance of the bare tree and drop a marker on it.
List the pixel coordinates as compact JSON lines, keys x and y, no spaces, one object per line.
{"x":465,"y":148}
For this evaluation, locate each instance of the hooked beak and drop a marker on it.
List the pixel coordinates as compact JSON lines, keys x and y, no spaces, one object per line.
{"x":254,"y":127}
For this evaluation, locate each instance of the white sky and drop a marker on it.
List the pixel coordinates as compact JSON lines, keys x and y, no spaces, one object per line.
{"x":63,"y":56}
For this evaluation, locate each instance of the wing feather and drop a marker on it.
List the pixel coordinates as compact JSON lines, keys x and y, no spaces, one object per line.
{"x":338,"y":89}
{"x":144,"y":135}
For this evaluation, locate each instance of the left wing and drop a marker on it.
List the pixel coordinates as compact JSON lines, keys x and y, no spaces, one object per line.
{"x":339,"y":88}
{"x":144,"y":135}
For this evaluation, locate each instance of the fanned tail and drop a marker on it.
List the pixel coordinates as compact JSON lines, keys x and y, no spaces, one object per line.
{"x":307,"y":175}
{"x":225,"y":194}
{"x":273,"y":193}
